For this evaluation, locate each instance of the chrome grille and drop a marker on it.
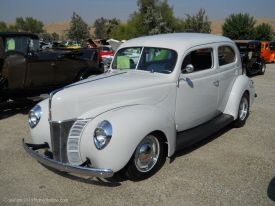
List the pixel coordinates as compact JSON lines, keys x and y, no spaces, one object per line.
{"x":59,"y":137}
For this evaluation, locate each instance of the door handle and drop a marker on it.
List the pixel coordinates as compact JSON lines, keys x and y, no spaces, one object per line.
{"x":216,"y":83}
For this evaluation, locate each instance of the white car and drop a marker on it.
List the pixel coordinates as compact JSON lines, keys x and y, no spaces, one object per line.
{"x":183,"y":88}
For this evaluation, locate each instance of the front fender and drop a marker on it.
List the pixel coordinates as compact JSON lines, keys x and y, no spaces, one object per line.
{"x":130,"y":125}
{"x":241,"y":85}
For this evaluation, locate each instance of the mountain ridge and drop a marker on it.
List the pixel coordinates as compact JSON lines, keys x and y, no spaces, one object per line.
{"x":216,"y":26}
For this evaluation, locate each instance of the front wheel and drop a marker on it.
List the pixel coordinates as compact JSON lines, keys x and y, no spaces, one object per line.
{"x":147,"y":158}
{"x":243,"y":111}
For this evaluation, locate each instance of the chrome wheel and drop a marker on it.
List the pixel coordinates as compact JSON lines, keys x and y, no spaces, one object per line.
{"x":147,"y":153}
{"x":243,"y":111}
{"x":243,"y":108}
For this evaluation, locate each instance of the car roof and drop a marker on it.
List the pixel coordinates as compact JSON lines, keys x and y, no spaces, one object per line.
{"x":248,"y":41}
{"x":176,"y":41}
{"x":18,"y":34}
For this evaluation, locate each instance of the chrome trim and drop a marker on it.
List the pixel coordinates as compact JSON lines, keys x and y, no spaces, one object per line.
{"x":59,"y":138}
{"x":73,"y":143}
{"x":50,"y":102}
{"x":74,"y":119}
{"x":37,"y":111}
{"x":105,"y":127}
{"x":94,"y":172}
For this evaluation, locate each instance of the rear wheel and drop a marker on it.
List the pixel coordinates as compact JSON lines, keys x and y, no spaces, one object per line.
{"x":147,"y":158}
{"x":263,"y":67}
{"x":245,"y":71}
{"x":243,"y":111}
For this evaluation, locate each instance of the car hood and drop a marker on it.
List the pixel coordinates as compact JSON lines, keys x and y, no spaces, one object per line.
{"x":93,"y":96}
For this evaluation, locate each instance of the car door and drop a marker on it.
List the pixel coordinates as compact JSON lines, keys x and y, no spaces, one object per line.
{"x":197,"y":92}
{"x":40,"y":72}
{"x":229,"y":66}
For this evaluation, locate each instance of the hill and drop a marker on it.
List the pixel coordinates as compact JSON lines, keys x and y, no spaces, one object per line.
{"x":216,"y":26}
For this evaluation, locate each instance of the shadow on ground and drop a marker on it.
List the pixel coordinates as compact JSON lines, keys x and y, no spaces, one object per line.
{"x":11,"y":108}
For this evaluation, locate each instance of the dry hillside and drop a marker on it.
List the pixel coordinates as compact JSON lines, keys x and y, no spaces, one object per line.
{"x":216,"y":26}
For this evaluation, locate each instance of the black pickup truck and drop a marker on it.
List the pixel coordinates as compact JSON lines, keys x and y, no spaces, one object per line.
{"x":27,"y":72}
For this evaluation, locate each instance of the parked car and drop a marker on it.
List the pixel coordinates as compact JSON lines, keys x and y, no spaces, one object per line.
{"x":183,"y":88}
{"x":266,"y":53}
{"x":103,"y":52}
{"x":26,"y":72}
{"x":252,"y":61}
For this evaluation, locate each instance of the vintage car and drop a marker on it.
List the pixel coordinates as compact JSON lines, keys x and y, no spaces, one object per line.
{"x":26,"y":72}
{"x":183,"y":88}
{"x":267,"y":53}
{"x":252,"y":61}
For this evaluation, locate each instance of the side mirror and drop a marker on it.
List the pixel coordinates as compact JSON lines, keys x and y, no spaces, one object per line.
{"x":189,"y":68}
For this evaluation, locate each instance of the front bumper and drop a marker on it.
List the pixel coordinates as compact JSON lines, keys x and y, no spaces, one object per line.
{"x":88,"y":171}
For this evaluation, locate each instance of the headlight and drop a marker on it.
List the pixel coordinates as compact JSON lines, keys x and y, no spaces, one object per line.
{"x":103,"y":134}
{"x":34,"y":116}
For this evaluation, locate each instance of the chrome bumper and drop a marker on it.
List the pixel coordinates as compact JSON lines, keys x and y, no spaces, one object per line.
{"x":88,"y":171}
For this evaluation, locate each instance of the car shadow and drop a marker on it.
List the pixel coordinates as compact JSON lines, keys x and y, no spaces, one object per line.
{"x":271,"y":190}
{"x":200,"y":144}
{"x":11,"y":108}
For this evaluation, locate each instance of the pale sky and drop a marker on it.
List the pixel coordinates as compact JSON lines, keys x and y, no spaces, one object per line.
{"x":52,"y":11}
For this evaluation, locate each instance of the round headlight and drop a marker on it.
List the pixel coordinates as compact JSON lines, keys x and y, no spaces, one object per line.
{"x":103,"y":134}
{"x":34,"y":116}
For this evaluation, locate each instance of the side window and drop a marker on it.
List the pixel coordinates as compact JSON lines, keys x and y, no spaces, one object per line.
{"x":201,"y":59}
{"x":226,"y":55}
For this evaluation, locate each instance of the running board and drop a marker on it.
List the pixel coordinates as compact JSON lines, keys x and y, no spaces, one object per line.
{"x":196,"y":134}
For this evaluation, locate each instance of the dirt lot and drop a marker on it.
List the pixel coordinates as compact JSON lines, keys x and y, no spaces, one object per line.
{"x":231,"y":167}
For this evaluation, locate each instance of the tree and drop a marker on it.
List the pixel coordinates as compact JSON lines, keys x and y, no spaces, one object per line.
{"x":153,"y":17}
{"x":99,"y":26}
{"x":239,"y":26}
{"x":45,"y":36}
{"x":78,"y":29}
{"x":264,"y":32}
{"x":30,"y":25}
{"x":3,"y":27}
{"x":110,"y":27}
{"x":55,"y":36}
{"x":197,"y":23}
{"x":155,"y":22}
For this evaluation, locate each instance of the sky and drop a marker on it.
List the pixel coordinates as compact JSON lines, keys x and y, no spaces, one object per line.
{"x":53,"y":11}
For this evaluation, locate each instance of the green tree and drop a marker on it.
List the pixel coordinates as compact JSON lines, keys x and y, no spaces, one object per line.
{"x":111,"y":25}
{"x":152,"y":17}
{"x":45,"y":36}
{"x":264,"y":32}
{"x":99,"y":26}
{"x":197,"y":23}
{"x":154,"y":22}
{"x":3,"y":27}
{"x":55,"y":36}
{"x":78,"y":29}
{"x":239,"y":26}
{"x":28,"y":25}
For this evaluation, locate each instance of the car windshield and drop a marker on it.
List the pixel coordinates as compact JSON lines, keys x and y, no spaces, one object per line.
{"x":22,"y":44}
{"x":146,"y":58}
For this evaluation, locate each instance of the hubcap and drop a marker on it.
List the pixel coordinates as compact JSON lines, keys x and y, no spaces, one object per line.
{"x":243,"y":109}
{"x":147,"y":153}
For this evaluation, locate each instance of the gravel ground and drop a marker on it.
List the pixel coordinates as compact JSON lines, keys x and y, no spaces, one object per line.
{"x":231,"y":167}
